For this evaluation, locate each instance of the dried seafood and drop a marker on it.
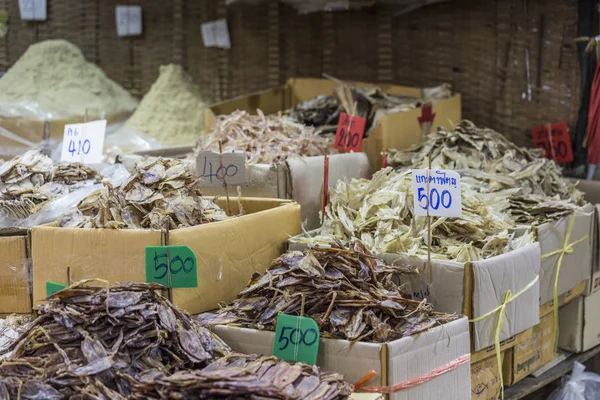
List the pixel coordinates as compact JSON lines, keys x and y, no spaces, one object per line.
{"x":29,"y":181}
{"x":266,"y":139}
{"x":246,"y":377}
{"x":10,"y":329}
{"x":320,"y":111}
{"x":95,"y":342}
{"x":350,"y":294}
{"x":379,"y":212}
{"x":490,"y":163}
{"x":159,"y":192}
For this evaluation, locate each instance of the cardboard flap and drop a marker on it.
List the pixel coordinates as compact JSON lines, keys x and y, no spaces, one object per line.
{"x":352,"y":360}
{"x":415,"y":356}
{"x":576,"y":266}
{"x":14,"y":275}
{"x":262,"y":180}
{"x":307,"y":180}
{"x":492,"y":278}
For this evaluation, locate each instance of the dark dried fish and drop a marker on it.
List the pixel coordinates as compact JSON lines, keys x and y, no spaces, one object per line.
{"x":356,"y":302}
{"x":95,"y":342}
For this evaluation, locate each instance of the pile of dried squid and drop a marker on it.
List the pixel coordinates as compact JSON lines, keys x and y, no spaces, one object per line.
{"x":349,"y":293}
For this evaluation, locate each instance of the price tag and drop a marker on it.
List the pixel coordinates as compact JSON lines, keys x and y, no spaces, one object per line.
{"x":84,"y":143}
{"x":426,"y":119}
{"x":184,"y":269}
{"x":441,"y":197}
{"x":214,"y":169}
{"x":296,"y":339}
{"x":350,"y":132}
{"x":216,"y":34}
{"x":52,"y":287}
{"x":555,"y":140}
{"x":33,"y":10}
{"x":129,"y":20}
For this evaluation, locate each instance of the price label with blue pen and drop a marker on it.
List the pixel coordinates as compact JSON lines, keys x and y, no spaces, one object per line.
{"x":296,"y":339}
{"x":183,"y":266}
{"x":84,"y":143}
{"x":436,"y":193}
{"x":215,"y":169}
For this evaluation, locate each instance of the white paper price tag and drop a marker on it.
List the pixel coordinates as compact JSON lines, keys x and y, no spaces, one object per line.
{"x":216,"y":34}
{"x":33,"y":10}
{"x":441,"y":197}
{"x":129,"y":20}
{"x":84,"y":143}
{"x":214,"y":169}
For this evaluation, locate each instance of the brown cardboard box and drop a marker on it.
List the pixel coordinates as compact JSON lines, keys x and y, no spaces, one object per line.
{"x":14,"y":274}
{"x":394,"y":362}
{"x":485,"y":378}
{"x":534,"y":348}
{"x":228,"y":252}
{"x":394,"y":131}
{"x":34,"y":131}
{"x":579,"y":325}
{"x":564,"y":298}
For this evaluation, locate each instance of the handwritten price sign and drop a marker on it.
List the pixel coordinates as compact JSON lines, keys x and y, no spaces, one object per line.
{"x":436,"y":193}
{"x":129,"y":20}
{"x":33,"y":10}
{"x":554,"y":139}
{"x":214,"y":169}
{"x":296,"y":339}
{"x":350,"y":132}
{"x":84,"y":142}
{"x":183,"y":266}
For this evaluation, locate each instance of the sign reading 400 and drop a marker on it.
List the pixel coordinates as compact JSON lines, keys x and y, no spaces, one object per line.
{"x":436,"y":193}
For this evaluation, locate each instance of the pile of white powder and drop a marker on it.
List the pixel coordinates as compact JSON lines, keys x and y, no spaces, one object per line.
{"x":55,"y":75}
{"x":172,"y":111}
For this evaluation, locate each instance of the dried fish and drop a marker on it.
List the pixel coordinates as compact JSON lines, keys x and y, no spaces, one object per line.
{"x":379,"y":212}
{"x":29,"y":181}
{"x":348,"y":292}
{"x":491,"y":164}
{"x":10,"y":329}
{"x":266,"y":139}
{"x":246,"y":377}
{"x":159,"y":192}
{"x":96,"y":342}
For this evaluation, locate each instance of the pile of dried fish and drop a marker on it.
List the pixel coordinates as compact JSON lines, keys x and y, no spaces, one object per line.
{"x":266,"y":139}
{"x":11,"y":328}
{"x":319,"y":111}
{"x":29,"y":181}
{"x":350,"y":294}
{"x":95,"y":342}
{"x":159,"y":192}
{"x":246,"y":377}
{"x":380,"y":213}
{"x":490,"y":163}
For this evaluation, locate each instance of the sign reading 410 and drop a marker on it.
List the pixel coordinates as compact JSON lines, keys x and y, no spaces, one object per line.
{"x":436,"y":193}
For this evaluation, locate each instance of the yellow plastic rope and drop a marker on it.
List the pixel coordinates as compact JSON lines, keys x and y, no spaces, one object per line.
{"x":508,"y":297}
{"x":567,"y":248}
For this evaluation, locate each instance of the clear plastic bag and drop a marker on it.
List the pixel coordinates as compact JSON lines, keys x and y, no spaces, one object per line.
{"x":579,"y":386}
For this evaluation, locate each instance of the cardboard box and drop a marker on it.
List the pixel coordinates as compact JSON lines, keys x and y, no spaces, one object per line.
{"x":485,"y":378}
{"x":476,"y":288}
{"x":395,"y":362}
{"x":14,"y":273}
{"x":564,"y":298}
{"x":298,"y":179}
{"x":534,"y":348}
{"x":228,"y":252}
{"x":393,"y":131}
{"x":579,"y":325}
{"x":19,"y":134}
{"x":576,"y":266}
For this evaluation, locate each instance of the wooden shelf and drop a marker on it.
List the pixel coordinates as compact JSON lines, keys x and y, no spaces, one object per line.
{"x":531,"y":385}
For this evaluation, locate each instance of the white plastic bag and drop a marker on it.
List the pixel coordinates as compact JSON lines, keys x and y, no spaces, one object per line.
{"x":579,"y":386}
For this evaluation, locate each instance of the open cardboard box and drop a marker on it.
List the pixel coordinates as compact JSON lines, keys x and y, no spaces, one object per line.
{"x":228,"y":252}
{"x":35,"y":131}
{"x":576,"y":266}
{"x":298,"y":179}
{"x":476,"y":288}
{"x":15,"y":294}
{"x":395,"y":362}
{"x":394,"y":131}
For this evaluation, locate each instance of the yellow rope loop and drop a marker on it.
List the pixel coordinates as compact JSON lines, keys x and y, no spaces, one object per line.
{"x":501,"y":309}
